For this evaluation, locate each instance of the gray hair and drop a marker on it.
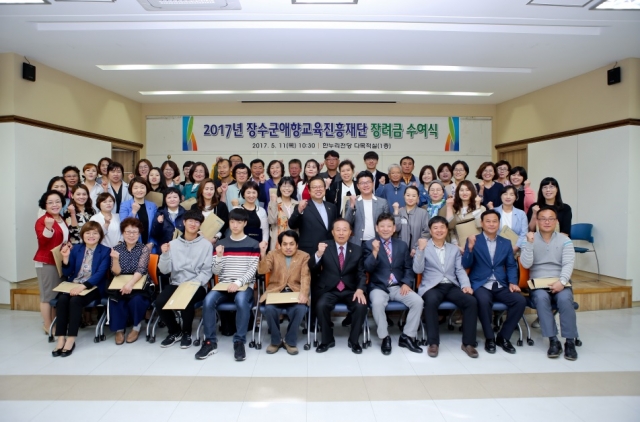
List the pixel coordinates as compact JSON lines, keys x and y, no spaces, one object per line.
{"x":394,"y":165}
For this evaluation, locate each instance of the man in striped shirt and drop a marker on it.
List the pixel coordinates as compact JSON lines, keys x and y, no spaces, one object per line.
{"x":235,"y":263}
{"x":551,"y":254}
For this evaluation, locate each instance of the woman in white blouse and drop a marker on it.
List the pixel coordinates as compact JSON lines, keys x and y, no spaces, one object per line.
{"x":462,"y":208}
{"x":108,"y":220}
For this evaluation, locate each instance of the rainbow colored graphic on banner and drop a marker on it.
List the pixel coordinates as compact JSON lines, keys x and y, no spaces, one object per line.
{"x":188,"y":137}
{"x":453,"y":139}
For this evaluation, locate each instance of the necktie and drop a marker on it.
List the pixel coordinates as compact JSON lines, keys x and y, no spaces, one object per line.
{"x":340,"y":285}
{"x":387,"y":248}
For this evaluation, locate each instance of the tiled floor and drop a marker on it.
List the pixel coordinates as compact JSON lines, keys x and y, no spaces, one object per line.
{"x":142,"y":381}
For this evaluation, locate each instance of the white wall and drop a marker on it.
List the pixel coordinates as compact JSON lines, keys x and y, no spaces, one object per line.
{"x":30,"y":157}
{"x":596,"y":172}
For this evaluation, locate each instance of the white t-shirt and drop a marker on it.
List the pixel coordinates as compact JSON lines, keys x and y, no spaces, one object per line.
{"x":507,"y":219}
{"x":369,"y":224}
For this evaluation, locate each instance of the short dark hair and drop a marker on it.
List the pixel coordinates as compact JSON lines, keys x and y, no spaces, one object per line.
{"x":92,"y":225}
{"x":463,"y":164}
{"x":240,"y":166}
{"x":249,"y":185}
{"x":347,"y":163}
{"x":115,"y":165}
{"x":509,"y":188}
{"x":193,"y":215}
{"x":426,"y":168}
{"x":482,"y":168}
{"x":193,"y":167}
{"x":547,"y":207}
{"x":236,"y":155}
{"x":71,"y":168}
{"x":406,"y":157}
{"x":142,"y":181}
{"x":385,"y":216}
{"x":288,"y":233}
{"x":172,"y":165}
{"x":489,"y":212}
{"x":331,"y":153}
{"x":371,"y":154}
{"x":286,"y":180}
{"x":295,"y":161}
{"x":166,"y":193}
{"x":520,"y":170}
{"x":187,"y":163}
{"x":238,"y":214}
{"x":313,"y":179}
{"x":162,"y":184}
{"x":443,"y":166}
{"x":103,"y":197}
{"x":57,"y":179}
{"x":365,"y":173}
{"x":438,"y":219}
{"x":503,"y":163}
{"x":42,"y":203}
{"x":256,"y":161}
{"x":411,"y":187}
{"x":133,"y":222}
{"x":272,"y":162}
{"x":340,"y":220}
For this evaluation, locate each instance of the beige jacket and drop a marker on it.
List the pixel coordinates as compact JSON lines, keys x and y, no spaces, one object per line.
{"x":297,"y":276}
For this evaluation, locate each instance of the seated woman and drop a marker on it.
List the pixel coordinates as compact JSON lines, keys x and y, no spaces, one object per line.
{"x":526,"y":196}
{"x":427,"y":175}
{"x":488,"y":190}
{"x":464,"y":207}
{"x":51,"y":232}
{"x":197,"y":173}
{"x":412,"y":222}
{"x":436,"y":199}
{"x":512,"y":217}
{"x":108,"y":220}
{"x":549,"y":194}
{"x":257,"y":226}
{"x":156,"y":181}
{"x":79,"y":211}
{"x":281,"y":206}
{"x":58,"y":184}
{"x":85,"y":264}
{"x":140,"y":208}
{"x":130,"y":257}
{"x":342,"y":187}
{"x":209,"y":202}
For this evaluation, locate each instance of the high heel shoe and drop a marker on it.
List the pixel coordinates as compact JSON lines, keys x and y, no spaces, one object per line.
{"x":57,"y":352}
{"x":66,"y":352}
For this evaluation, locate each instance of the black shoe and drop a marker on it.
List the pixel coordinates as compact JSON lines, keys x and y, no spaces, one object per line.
{"x":64,"y":353}
{"x":555,"y":348}
{"x":409,"y":343}
{"x":57,"y":352}
{"x":238,"y":351}
{"x":386,"y":346}
{"x":208,"y":348}
{"x":347,"y":320}
{"x":171,"y":340}
{"x":355,"y":348}
{"x":490,"y":346}
{"x":506,"y":345}
{"x":185,"y":343}
{"x":323,"y":347}
{"x":570,"y":351}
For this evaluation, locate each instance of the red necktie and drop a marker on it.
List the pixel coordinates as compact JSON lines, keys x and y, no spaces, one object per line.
{"x":340,"y":285}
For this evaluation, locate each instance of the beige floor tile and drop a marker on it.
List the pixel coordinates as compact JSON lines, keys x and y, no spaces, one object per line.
{"x":41,"y":387}
{"x":217,"y":389}
{"x":337,"y":389}
{"x":565,"y":384}
{"x":292,"y":389}
{"x":99,"y":388}
{"x":447,"y":387}
{"x":157,"y":388}
{"x":619,"y":383}
{"x":395,"y":388}
{"x":512,"y":385}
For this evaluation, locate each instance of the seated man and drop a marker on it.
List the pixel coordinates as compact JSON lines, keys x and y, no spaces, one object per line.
{"x":391,"y":277}
{"x":551,"y":254}
{"x":186,"y":258}
{"x":289,"y":270}
{"x":494,"y":277}
{"x":341,"y":278}
{"x":444,"y":278}
{"x":235,"y":264}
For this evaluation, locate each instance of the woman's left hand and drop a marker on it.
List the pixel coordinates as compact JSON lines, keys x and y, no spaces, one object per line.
{"x":77,"y":290}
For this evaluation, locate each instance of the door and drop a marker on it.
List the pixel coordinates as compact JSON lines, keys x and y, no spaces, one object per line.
{"x":127,"y":158}
{"x":515,"y":157}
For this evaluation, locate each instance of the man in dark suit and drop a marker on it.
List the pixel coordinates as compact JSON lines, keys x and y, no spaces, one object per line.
{"x":391,"y":277}
{"x":494,"y":277}
{"x":371,"y":162}
{"x":341,"y":279}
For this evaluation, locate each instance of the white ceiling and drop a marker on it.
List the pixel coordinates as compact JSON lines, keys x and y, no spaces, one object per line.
{"x":557,"y":43}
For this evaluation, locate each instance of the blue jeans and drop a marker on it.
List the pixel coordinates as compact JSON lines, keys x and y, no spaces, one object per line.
{"x":295,"y":312}
{"x":244,"y":303}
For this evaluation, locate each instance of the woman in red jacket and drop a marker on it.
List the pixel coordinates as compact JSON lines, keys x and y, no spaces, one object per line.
{"x":51,"y":231}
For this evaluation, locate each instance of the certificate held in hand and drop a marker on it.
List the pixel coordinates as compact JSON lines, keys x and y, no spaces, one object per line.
{"x":120,"y":281}
{"x":66,"y":287}
{"x":466,"y":230}
{"x":57,"y":257}
{"x":211,"y":226}
{"x":182,"y":296}
{"x":509,"y":234}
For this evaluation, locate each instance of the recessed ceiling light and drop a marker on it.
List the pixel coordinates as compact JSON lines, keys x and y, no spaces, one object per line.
{"x":24,"y":2}
{"x":617,"y":5}
{"x":318,"y":92}
{"x":324,"y":1}
{"x":312,"y":66}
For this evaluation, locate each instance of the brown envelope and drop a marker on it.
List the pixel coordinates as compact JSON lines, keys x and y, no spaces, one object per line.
{"x":66,"y":287}
{"x":188,"y":203}
{"x":211,"y":226}
{"x":57,"y":256}
{"x":282,"y":298}
{"x":222,"y":287}
{"x":176,"y":234}
{"x":182,"y":296}
{"x":507,"y":233}
{"x":155,"y":197}
{"x":543,"y":283}
{"x":118,"y":282}
{"x":466,"y":230}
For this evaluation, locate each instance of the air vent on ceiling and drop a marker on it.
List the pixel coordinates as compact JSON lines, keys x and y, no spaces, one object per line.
{"x":559,"y":3}
{"x":189,"y":5}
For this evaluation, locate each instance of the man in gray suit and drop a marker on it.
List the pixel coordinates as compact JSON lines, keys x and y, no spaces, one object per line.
{"x":363,"y":211}
{"x":444,"y":278}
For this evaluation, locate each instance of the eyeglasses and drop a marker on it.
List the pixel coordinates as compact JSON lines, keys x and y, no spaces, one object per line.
{"x":364,"y":183}
{"x":458,"y":170}
{"x":547,"y":220}
{"x":53,"y":202}
{"x":503,"y":168}
{"x":549,"y":188}
{"x":316,"y":187}
{"x":132,"y":232}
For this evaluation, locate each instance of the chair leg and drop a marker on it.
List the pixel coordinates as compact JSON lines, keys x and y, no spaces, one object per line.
{"x":196,"y":342}
{"x":150,"y":323}
{"x":519,"y":343}
{"x":51,"y":329}
{"x":526,"y":324}
{"x":597,"y":261}
{"x":308,"y":345}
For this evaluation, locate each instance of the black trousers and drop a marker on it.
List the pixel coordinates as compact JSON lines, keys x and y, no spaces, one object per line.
{"x":324,"y":306}
{"x":169,"y":318}
{"x":514,"y":301}
{"x":451,"y":293}
{"x":69,"y":312}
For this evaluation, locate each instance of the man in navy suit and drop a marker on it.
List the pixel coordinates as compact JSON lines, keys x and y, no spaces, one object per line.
{"x":494,"y":277}
{"x":391,"y":277}
{"x":341,"y":279}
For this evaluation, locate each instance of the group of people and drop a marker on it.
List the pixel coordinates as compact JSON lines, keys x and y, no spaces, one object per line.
{"x":362,"y":239}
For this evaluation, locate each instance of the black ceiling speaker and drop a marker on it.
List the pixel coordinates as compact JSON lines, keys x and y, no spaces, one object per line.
{"x":614,"y":76}
{"x":28,"y":72}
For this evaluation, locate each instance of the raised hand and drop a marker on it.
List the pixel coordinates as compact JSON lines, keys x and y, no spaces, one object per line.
{"x":327,"y":182}
{"x":130,"y":176}
{"x":263,"y":247}
{"x":135,"y":207}
{"x":234,"y":202}
{"x":382,"y":180}
{"x":471,"y":241}
{"x":71,"y":209}
{"x":48,"y":223}
{"x":321,"y":248}
{"x":490,"y":205}
{"x":478,"y":201}
{"x":116,"y":255}
{"x":224,"y":187}
{"x":161,"y":219}
{"x":422,"y":243}
{"x":262,"y":178}
{"x":530,"y":237}
{"x":220,"y":251}
{"x":176,"y":180}
{"x":536,"y":208}
{"x":396,"y":207}
{"x":449,"y":202}
{"x":375,"y":245}
{"x":352,"y":201}
{"x":527,"y":183}
{"x":302,"y":205}
{"x":65,"y":251}
{"x":165,"y":248}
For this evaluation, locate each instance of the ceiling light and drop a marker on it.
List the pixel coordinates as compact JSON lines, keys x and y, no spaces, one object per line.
{"x":313,"y":66}
{"x":24,"y":2}
{"x":617,"y":5}
{"x":324,"y":1}
{"x":319,"y":92}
